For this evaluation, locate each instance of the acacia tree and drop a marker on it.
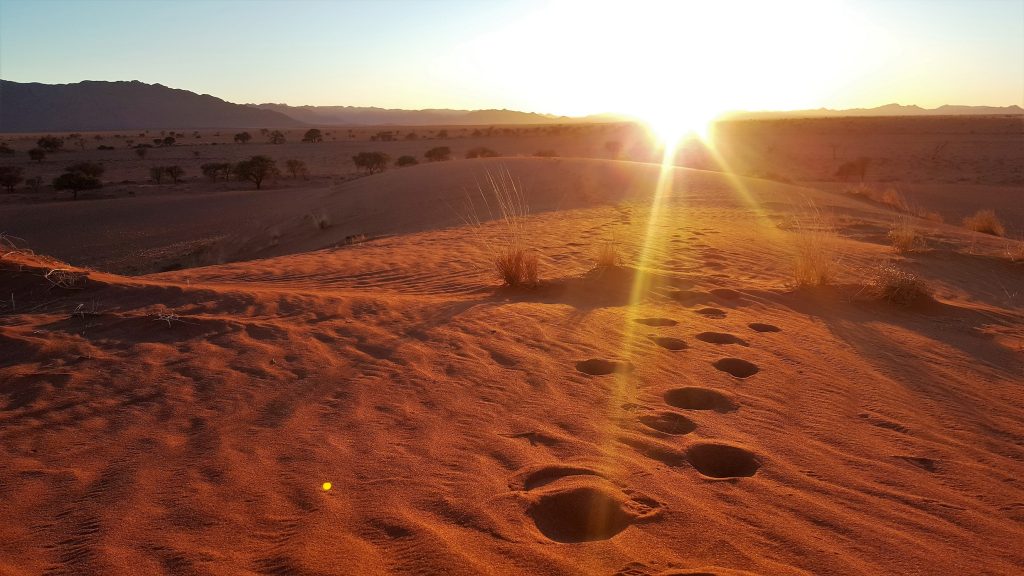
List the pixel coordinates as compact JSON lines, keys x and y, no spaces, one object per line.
{"x":78,"y":177}
{"x":256,"y":170}
{"x":313,"y":135}
{"x":439,"y":154}
{"x":50,"y":143}
{"x":371,"y":161}
{"x":37,"y":154}
{"x":216,"y":170}
{"x":242,"y":137}
{"x":175,"y":172}
{"x":276,"y":137}
{"x":297,"y":168}
{"x":10,"y":176}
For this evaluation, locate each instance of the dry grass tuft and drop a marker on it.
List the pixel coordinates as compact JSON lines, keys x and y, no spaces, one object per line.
{"x":986,"y":222}
{"x":816,"y":254}
{"x":607,"y":255}
{"x":905,"y":236}
{"x":514,"y":261}
{"x":893,"y":284}
{"x":517,"y":266}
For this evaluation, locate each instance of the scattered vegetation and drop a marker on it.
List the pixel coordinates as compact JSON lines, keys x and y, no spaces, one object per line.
{"x":905,"y":237}
{"x":893,"y":198}
{"x":893,"y":284}
{"x":276,"y":137}
{"x":406,"y":160}
{"x":986,"y":222}
{"x":37,"y":154}
{"x":313,"y":135}
{"x":175,"y":173}
{"x":256,"y":169}
{"x":242,"y":138}
{"x":297,"y":168}
{"x":217,"y":171}
{"x":481,"y":152}
{"x":10,"y":176}
{"x":438,"y":154}
{"x":50,"y":144}
{"x":78,"y":177}
{"x":371,"y":162}
{"x":815,"y":251}
{"x":854,"y":169}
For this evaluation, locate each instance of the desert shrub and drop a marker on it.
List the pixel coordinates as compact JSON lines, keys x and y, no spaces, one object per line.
{"x":104,"y":147}
{"x":10,"y":176}
{"x":986,"y":222}
{"x":174,"y":172}
{"x":216,"y":170}
{"x":516,"y":266}
{"x":256,"y":169}
{"x":891,"y":283}
{"x":816,"y":254}
{"x":371,"y":162}
{"x":297,"y":168}
{"x":438,"y":154}
{"x":276,"y":137}
{"x":242,"y":137}
{"x":607,"y":255}
{"x":481,"y":152}
{"x":78,"y":177}
{"x":406,"y":161}
{"x":168,"y":141}
{"x":546,"y":154}
{"x":313,"y":135}
{"x":853,"y":169}
{"x":412,"y":136}
{"x":50,"y":144}
{"x":905,"y":237}
{"x":515,"y":262}
{"x":37,"y":154}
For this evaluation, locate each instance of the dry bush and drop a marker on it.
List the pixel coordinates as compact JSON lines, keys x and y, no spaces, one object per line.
{"x":607,"y":255}
{"x":986,"y":222}
{"x":815,"y":250}
{"x":517,"y":266}
{"x":905,"y":236}
{"x":514,"y":261}
{"x":891,"y":283}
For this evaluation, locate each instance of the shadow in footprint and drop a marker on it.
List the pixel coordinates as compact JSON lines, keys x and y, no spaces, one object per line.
{"x":599,"y":367}
{"x":711,"y":312}
{"x":759,"y":327}
{"x":538,"y":477}
{"x":720,"y":338}
{"x":669,"y":343}
{"x":692,"y":398}
{"x":656,"y":321}
{"x":586,"y":514}
{"x":737,"y":367}
{"x":722,"y":460}
{"x":668,"y":423}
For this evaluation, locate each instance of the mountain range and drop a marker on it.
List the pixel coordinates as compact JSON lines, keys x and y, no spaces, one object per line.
{"x":134,"y":105}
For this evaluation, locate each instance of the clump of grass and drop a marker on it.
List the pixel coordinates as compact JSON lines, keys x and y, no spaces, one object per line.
{"x":893,"y":284}
{"x":986,"y":222}
{"x":517,"y":266}
{"x":905,"y":237}
{"x":515,"y":262}
{"x":815,"y":251}
{"x":607,"y":255}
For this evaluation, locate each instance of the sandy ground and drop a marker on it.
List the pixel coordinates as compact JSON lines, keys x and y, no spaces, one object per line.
{"x":689,"y":412}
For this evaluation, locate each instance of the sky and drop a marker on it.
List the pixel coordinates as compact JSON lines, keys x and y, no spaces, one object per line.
{"x":569,"y":57}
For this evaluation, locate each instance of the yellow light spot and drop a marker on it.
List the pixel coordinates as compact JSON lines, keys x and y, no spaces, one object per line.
{"x":326,"y":486}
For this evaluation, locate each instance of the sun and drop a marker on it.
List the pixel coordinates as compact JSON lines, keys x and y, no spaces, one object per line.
{"x":670,"y":125}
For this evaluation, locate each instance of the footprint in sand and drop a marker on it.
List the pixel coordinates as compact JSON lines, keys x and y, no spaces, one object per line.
{"x":669,"y":343}
{"x":599,"y":367}
{"x":668,"y":423}
{"x":760,"y":327}
{"x":726,"y":294}
{"x":694,"y":398}
{"x":711,"y":312}
{"x":720,"y":338}
{"x":539,"y":476}
{"x":656,"y":321}
{"x":588,"y":513}
{"x":722,"y":460}
{"x":736,"y":367}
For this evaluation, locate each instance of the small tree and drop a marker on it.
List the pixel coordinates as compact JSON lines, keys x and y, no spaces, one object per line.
{"x":404,"y":161}
{"x":371,"y":161}
{"x":168,"y":141}
{"x":439,"y":154}
{"x":256,"y":170}
{"x":242,"y":137}
{"x":157,"y":173}
{"x":78,"y":177}
{"x":175,"y":172}
{"x":481,"y":152}
{"x":50,"y":143}
{"x":313,"y":135}
{"x":297,"y":168}
{"x":141,"y":151}
{"x":276,"y":137}
{"x":216,"y":170}
{"x":37,"y":154}
{"x":10,"y":176}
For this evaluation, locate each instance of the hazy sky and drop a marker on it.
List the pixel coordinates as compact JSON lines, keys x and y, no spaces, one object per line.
{"x":562,"y":57}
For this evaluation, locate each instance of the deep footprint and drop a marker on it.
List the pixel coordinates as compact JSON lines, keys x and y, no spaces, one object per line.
{"x":722,"y":460}
{"x":656,"y":321}
{"x":585,"y":514}
{"x":669,"y":343}
{"x":547,"y":474}
{"x":736,"y":367}
{"x":711,"y":312}
{"x":599,"y":367}
{"x":759,"y":327}
{"x":692,"y":398}
{"x":668,"y":422}
{"x":720,"y":338}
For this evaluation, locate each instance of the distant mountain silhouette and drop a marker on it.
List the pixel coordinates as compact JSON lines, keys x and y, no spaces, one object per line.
{"x":353,"y":115}
{"x":94,"y":105}
{"x":886,"y":110}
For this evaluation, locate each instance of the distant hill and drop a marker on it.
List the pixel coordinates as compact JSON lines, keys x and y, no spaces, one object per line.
{"x":367,"y":116}
{"x":94,"y":105}
{"x":886,"y":110}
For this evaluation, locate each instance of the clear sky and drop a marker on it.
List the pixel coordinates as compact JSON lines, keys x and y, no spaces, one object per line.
{"x":564,"y":57}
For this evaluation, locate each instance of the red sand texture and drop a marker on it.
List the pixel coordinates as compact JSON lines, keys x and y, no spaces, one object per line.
{"x":717,"y":420}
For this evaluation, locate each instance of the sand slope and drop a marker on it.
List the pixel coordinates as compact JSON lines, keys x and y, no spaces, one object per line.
{"x":725,"y":423}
